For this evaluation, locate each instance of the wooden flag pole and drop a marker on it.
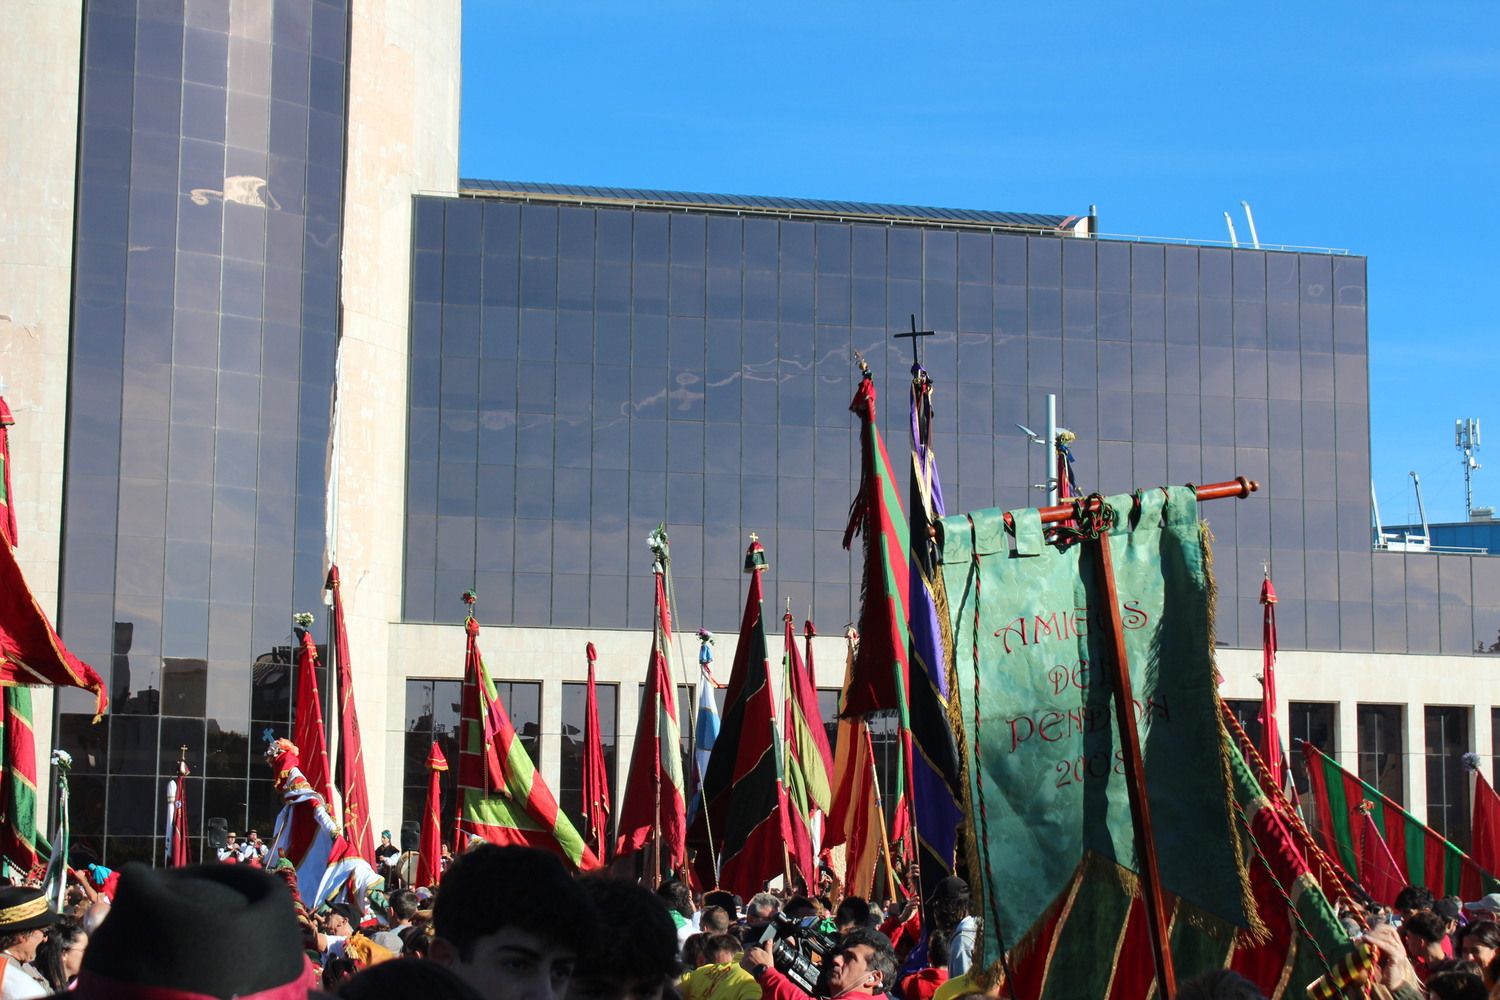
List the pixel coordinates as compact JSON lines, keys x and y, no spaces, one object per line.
{"x":885,"y":839}
{"x":1118,"y":664}
{"x":1237,"y":488}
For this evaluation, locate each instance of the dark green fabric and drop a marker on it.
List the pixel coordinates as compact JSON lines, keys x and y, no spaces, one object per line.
{"x":1045,"y":765}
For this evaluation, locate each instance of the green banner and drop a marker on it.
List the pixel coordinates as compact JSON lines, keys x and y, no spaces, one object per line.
{"x":1045,"y":763}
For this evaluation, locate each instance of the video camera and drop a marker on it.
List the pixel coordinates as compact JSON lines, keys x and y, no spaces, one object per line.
{"x":798,"y":948}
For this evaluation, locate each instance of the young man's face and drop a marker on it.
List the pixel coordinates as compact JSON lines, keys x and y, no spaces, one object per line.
{"x":510,"y":964}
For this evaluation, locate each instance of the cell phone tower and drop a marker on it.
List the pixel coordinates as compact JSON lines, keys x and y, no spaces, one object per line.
{"x":1466,"y":440}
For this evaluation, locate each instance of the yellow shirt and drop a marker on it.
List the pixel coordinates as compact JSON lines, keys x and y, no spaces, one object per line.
{"x":957,"y":987}
{"x":720,"y":982}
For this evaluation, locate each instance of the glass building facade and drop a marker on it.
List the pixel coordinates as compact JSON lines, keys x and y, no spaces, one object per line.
{"x":205,"y":317}
{"x":581,"y":372}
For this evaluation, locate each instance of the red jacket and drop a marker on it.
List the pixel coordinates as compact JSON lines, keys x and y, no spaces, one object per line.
{"x":775,"y":986}
{"x":922,"y":985}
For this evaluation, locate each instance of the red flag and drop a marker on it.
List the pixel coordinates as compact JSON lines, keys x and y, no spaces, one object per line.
{"x":653,"y":804}
{"x":7,"y":499}
{"x":1378,"y":871}
{"x":1270,"y":733}
{"x":177,"y":825}
{"x":430,"y":852}
{"x":809,"y":762}
{"x":1485,"y":847}
{"x":743,"y":810}
{"x":30,"y":650}
{"x":351,"y":763}
{"x":595,"y":775}
{"x":852,"y":821}
{"x":309,"y":737}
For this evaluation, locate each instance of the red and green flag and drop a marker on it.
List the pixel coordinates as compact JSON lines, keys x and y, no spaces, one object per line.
{"x":31,"y":652}
{"x":809,"y":761}
{"x":654,"y":805}
{"x":743,"y":815}
{"x":1423,"y":855}
{"x":852,"y":820}
{"x":502,"y":797}
{"x":18,"y":835}
{"x":351,"y":761}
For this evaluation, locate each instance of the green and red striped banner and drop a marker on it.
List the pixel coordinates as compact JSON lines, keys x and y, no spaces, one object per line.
{"x":809,"y":761}
{"x":503,"y":799}
{"x":1094,"y":943}
{"x":1425,"y":857}
{"x":18,"y":838}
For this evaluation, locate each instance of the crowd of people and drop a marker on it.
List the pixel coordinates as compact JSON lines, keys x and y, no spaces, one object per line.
{"x":510,"y":923}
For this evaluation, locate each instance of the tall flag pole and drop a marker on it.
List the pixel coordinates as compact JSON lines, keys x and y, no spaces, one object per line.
{"x":706,"y":725}
{"x":936,"y":772}
{"x":351,"y":761}
{"x":1378,"y":871}
{"x":55,"y":882}
{"x":595,"y":774}
{"x":8,"y":532}
{"x":1270,"y":733}
{"x":654,"y":807}
{"x":744,"y":801}
{"x":178,"y":852}
{"x":502,"y":797}
{"x":809,"y":762}
{"x":430,"y":845}
{"x":1484,"y":844}
{"x":18,"y":835}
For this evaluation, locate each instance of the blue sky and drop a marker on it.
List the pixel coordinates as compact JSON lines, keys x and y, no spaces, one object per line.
{"x":1371,"y":127}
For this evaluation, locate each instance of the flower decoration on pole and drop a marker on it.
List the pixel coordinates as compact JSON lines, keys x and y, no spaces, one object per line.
{"x":303,"y":620}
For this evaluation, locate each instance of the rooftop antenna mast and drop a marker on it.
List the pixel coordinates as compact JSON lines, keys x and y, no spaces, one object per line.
{"x":1466,"y":440}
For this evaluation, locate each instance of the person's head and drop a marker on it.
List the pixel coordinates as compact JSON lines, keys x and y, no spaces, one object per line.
{"x":692,"y":950}
{"x":337,"y":972}
{"x":403,"y":904}
{"x":385,"y":838}
{"x":720,"y":948}
{"x":1449,"y":909}
{"x":715,"y":920}
{"x":253,"y":837}
{"x":635,"y":955}
{"x":27,"y":917}
{"x":1485,"y":908}
{"x":1412,"y":900}
{"x":799,"y":907}
{"x":761,"y":908}
{"x":59,"y":957}
{"x":854,"y":914}
{"x":1455,"y":985}
{"x":1220,"y":984}
{"x":407,"y":978}
{"x":1423,"y":935}
{"x":677,"y":896}
{"x":937,"y":950}
{"x":863,"y":962}
{"x":511,"y":922}
{"x":1480,"y":942}
{"x":341,"y":920}
{"x":948,"y":903}
{"x":94,"y":916}
{"x":189,"y":931}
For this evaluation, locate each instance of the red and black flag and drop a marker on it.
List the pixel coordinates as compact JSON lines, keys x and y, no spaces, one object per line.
{"x":744,"y":814}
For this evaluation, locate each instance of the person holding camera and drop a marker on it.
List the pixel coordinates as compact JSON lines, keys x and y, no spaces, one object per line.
{"x":863,"y":965}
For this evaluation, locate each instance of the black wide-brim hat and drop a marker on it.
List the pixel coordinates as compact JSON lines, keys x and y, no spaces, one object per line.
{"x":24,"y":909}
{"x":203,"y":931}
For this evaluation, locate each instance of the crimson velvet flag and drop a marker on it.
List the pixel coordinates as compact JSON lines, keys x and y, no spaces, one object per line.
{"x":351,"y":760}
{"x":595,"y":775}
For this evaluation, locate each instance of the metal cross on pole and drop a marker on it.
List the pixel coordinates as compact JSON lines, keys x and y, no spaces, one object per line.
{"x":916,"y":341}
